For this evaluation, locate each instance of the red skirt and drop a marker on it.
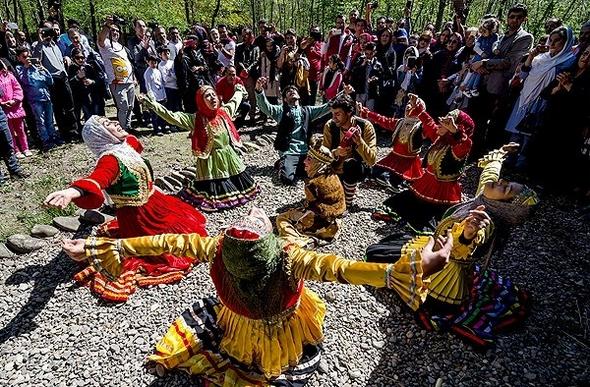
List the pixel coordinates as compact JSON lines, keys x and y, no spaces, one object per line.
{"x":432,"y":190}
{"x":409,"y":168}
{"x":162,"y":214}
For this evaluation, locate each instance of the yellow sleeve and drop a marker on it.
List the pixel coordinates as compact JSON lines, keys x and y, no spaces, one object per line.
{"x":333,"y":268}
{"x":491,"y":165}
{"x":367,"y":147}
{"x":107,"y":255}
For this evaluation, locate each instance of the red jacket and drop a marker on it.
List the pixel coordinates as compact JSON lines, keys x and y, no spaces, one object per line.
{"x":225,"y":90}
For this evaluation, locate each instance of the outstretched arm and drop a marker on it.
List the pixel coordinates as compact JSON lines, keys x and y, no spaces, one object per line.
{"x":274,"y":111}
{"x":107,"y":255}
{"x":491,"y":165}
{"x":333,"y":268}
{"x":182,"y":120}
{"x":385,"y":122}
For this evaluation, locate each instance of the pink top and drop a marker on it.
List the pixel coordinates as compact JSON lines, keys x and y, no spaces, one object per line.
{"x":11,"y":90}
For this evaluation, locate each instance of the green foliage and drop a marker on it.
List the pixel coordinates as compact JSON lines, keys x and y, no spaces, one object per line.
{"x":297,"y":14}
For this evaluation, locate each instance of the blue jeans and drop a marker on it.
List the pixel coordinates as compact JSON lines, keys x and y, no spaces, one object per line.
{"x":43,"y":111}
{"x":6,"y":148}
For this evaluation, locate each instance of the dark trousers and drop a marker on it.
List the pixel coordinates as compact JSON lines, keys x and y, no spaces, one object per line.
{"x":6,"y":149}
{"x":87,"y":105}
{"x":188,"y":100}
{"x":63,"y":108}
{"x":354,"y":171}
{"x":243,"y":111}
{"x":158,"y":123}
{"x":291,"y":168}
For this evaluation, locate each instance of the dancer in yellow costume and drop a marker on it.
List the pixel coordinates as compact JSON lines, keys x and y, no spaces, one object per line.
{"x":264,"y":326}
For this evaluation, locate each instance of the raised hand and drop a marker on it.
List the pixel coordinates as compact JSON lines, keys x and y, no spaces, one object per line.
{"x":477,"y":220}
{"x":511,"y":147}
{"x":261,"y":83}
{"x":434,"y":260}
{"x":348,"y":89}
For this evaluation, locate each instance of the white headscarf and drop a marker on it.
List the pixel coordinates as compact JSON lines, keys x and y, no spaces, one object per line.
{"x":543,"y":71}
{"x":101,"y":141}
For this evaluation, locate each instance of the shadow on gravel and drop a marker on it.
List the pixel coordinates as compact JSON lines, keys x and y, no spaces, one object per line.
{"x":45,"y":278}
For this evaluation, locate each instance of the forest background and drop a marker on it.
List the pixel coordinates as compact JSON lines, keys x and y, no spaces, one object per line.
{"x":298,"y":14}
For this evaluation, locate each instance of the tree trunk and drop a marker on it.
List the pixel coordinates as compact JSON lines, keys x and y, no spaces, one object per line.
{"x":215,"y":13}
{"x":187,"y":12}
{"x":253,"y":9}
{"x":440,"y":14}
{"x":15,"y":10}
{"x":22,"y":15}
{"x":93,"y":19}
{"x":40,"y":12}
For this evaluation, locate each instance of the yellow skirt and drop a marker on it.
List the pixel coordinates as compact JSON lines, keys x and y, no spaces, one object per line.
{"x":228,"y":349}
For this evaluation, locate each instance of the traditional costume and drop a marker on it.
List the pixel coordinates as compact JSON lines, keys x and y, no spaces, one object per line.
{"x":406,"y":141}
{"x":438,"y":188}
{"x":263,"y":326}
{"x":473,"y":302}
{"x":140,"y":209}
{"x":318,"y":219}
{"x":354,"y":166}
{"x":221,"y":180}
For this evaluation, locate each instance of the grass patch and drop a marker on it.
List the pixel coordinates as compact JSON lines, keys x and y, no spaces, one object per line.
{"x":29,"y":211}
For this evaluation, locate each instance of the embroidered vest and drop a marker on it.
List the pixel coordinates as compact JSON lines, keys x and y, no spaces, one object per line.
{"x":133,"y":186}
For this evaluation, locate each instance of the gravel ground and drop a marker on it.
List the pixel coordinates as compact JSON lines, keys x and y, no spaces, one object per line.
{"x":53,"y":333}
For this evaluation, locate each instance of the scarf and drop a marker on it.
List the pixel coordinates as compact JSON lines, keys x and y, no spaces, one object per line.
{"x":206,"y":118}
{"x":543,"y":69}
{"x":101,"y":142}
{"x":321,"y":160}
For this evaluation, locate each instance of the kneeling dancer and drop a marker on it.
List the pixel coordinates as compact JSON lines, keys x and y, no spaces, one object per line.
{"x":140,"y":210}
{"x":353,"y":143}
{"x":263,"y":326}
{"x":221,"y":180}
{"x":318,"y":220}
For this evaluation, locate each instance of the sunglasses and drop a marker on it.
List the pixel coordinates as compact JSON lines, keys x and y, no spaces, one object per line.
{"x":79,"y":57}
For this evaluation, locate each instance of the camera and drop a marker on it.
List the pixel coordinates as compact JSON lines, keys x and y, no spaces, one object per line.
{"x":34,"y":61}
{"x":374,"y":5}
{"x":119,"y":20}
{"x":47,"y":32}
{"x":412,"y":62}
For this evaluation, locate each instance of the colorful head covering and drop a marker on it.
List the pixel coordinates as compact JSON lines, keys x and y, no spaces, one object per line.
{"x":254,"y":260}
{"x":202,"y":140}
{"x":463,"y":121}
{"x":320,"y":156}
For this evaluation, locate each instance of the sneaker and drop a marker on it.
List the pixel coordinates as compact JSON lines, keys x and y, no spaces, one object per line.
{"x":159,"y":134}
{"x":28,"y":153}
{"x":19,"y":155}
{"x":474,"y":93}
{"x":150,"y":125}
{"x":167,"y":131}
{"x":467,"y":93}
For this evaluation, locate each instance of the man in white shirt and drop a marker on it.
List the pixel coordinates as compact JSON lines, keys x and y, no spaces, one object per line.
{"x":119,"y":71}
{"x":228,"y":50}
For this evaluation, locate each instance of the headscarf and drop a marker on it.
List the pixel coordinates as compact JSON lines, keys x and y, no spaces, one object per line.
{"x":254,"y":264}
{"x":465,"y":124}
{"x":543,"y":70}
{"x":202,"y":140}
{"x":411,"y":52}
{"x":102,"y":142}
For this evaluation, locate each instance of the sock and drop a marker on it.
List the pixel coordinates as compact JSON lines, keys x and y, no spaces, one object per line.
{"x":349,"y":192}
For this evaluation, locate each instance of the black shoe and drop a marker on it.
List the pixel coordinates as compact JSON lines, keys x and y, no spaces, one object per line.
{"x":3,"y":180}
{"x":159,"y":134}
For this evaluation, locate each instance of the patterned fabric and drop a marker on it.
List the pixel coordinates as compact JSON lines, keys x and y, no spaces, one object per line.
{"x":495,"y":305}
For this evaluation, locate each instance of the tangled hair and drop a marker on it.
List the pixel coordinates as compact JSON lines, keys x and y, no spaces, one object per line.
{"x":289,"y":88}
{"x":343,"y":102}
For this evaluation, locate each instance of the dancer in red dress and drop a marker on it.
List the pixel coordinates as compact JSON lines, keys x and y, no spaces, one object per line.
{"x":438,"y":188}
{"x":141,"y":210}
{"x":403,"y":163}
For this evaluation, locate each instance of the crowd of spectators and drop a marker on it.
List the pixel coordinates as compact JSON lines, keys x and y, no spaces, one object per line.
{"x":532,"y":90}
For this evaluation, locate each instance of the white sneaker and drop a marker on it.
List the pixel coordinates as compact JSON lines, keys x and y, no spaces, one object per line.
{"x":19,"y":155}
{"x":28,"y":153}
{"x":475,"y":93}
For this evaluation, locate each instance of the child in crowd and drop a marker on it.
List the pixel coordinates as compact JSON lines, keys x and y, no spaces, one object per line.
{"x":154,"y":84}
{"x":166,"y":67}
{"x":36,"y":82}
{"x":484,"y":48}
{"x":331,"y":78}
{"x":11,"y":100}
{"x":7,"y":153}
